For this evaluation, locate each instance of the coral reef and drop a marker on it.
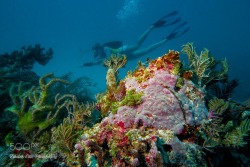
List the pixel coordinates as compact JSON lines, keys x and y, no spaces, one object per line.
{"x":160,"y":115}
{"x":139,"y":131}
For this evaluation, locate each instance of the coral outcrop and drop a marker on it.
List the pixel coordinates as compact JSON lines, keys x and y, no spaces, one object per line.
{"x":141,"y":134}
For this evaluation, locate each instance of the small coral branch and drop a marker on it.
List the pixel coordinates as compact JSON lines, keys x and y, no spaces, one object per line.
{"x":45,"y":86}
{"x":115,"y":62}
{"x":114,"y":91}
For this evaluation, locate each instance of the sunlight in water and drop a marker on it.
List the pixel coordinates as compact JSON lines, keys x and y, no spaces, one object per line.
{"x":129,"y":9}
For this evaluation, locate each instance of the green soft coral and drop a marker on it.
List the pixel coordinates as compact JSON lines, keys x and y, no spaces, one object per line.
{"x":132,"y":98}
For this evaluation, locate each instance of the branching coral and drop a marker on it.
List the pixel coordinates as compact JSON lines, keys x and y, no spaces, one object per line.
{"x":226,"y":126}
{"x":25,"y":58}
{"x":79,"y":113}
{"x":63,"y":136}
{"x":114,"y":63}
{"x":80,"y":87}
{"x":35,"y":113}
{"x":218,"y":106}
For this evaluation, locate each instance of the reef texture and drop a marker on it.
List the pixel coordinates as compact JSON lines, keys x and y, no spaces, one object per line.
{"x":141,"y":134}
{"x":161,"y":114}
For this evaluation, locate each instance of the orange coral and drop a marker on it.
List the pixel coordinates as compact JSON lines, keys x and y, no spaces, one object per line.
{"x":142,"y":74}
{"x":187,"y":75}
{"x":167,"y":61}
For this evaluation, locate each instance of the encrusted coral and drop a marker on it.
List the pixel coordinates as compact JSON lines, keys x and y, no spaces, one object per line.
{"x":139,"y":131}
{"x":160,"y":115}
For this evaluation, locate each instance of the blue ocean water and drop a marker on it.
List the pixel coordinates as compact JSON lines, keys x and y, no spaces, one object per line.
{"x":71,"y":28}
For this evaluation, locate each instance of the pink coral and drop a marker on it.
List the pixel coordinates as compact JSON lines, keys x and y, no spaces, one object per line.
{"x":162,"y":107}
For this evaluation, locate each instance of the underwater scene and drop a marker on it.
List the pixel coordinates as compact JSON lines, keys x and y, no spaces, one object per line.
{"x":124,"y":83}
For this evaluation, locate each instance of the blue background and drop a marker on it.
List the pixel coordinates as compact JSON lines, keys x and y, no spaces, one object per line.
{"x":70,"y":28}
